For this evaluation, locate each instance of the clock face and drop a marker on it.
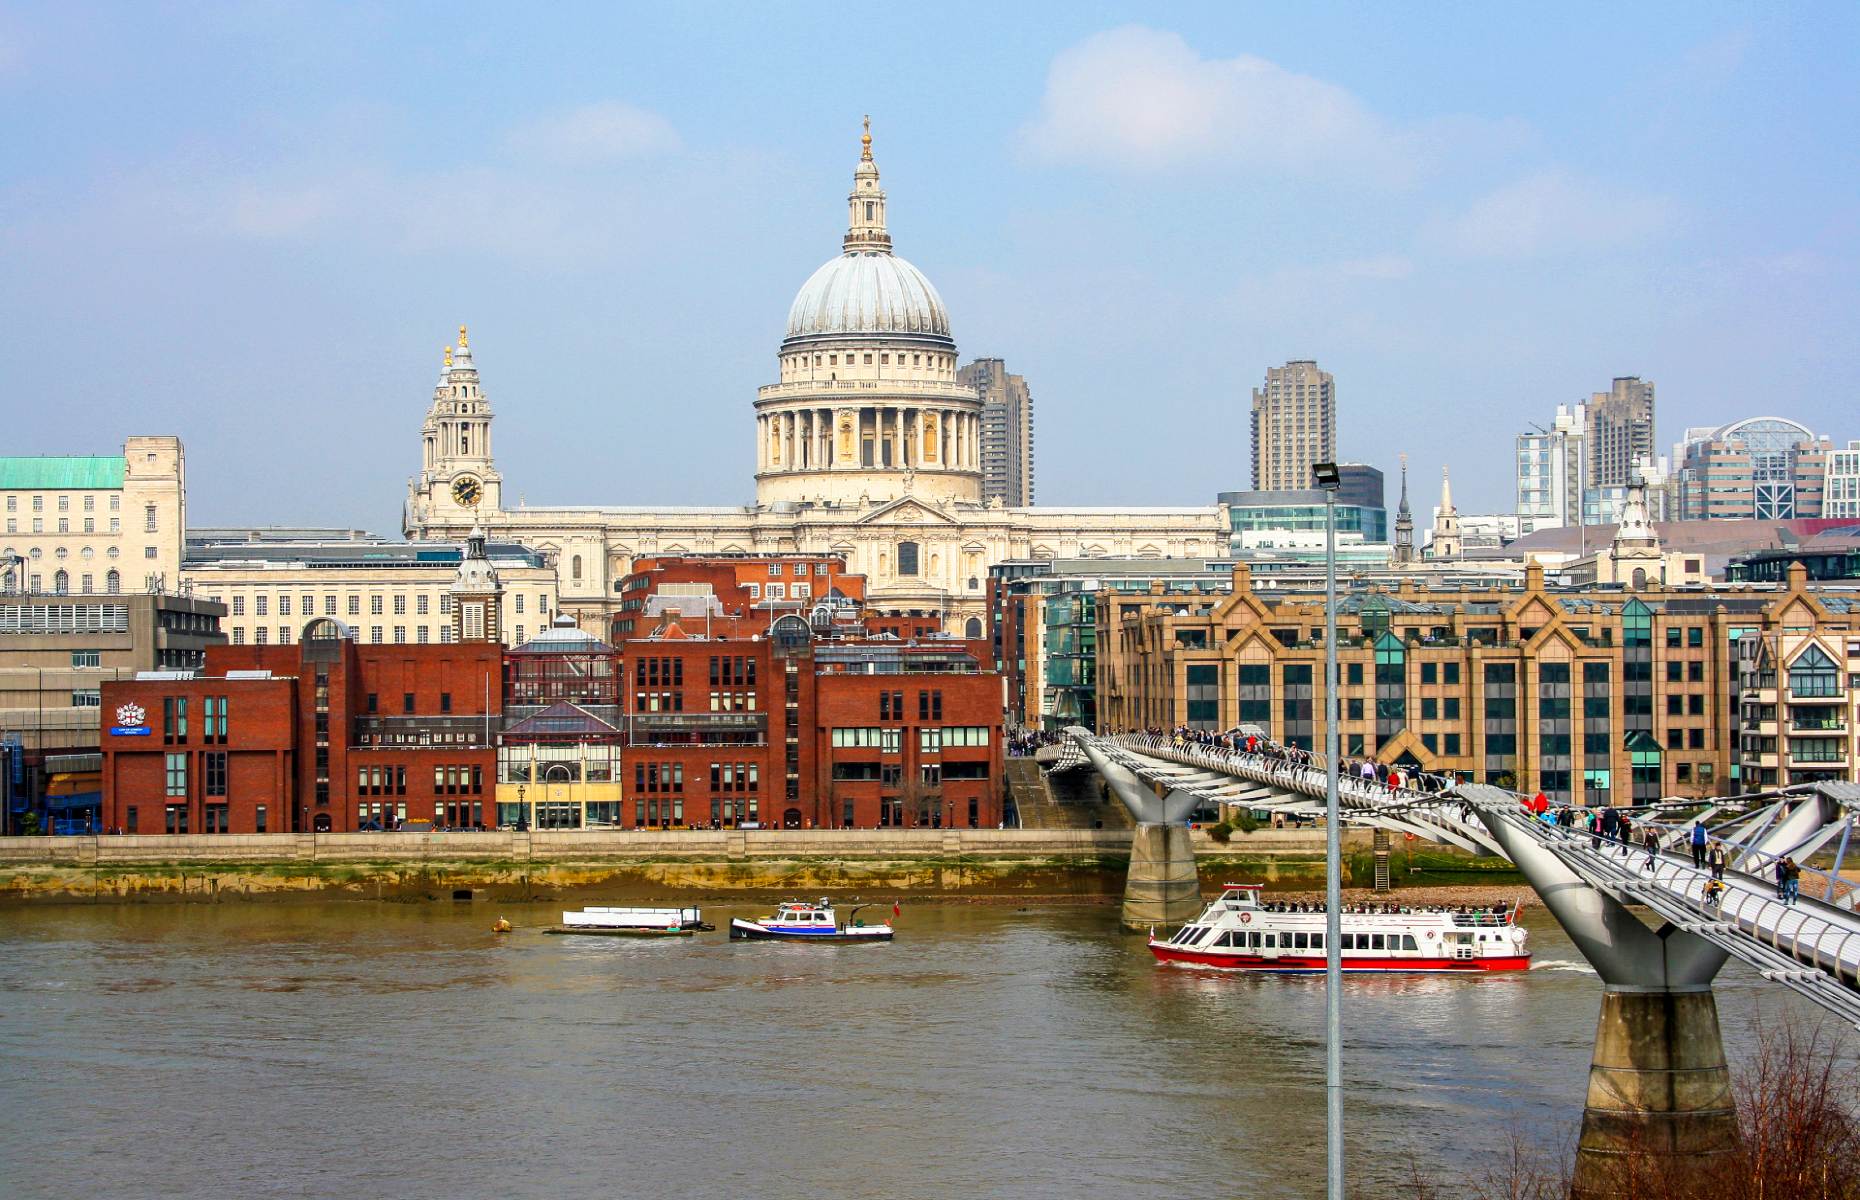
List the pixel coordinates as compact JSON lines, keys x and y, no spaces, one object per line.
{"x":468,"y":490}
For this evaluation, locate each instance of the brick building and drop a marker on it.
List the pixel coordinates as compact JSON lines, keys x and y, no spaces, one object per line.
{"x":736,"y":595}
{"x":325,"y":735}
{"x":1586,"y":694}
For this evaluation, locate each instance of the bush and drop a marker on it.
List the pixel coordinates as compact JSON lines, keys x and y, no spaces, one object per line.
{"x":1221,"y":832}
{"x":1245,"y":823}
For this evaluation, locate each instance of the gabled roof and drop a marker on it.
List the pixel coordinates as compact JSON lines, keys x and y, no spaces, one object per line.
{"x":561,"y":719}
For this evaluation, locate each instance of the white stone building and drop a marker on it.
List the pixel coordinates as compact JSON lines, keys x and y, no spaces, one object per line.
{"x":868,"y":446}
{"x":94,"y":524}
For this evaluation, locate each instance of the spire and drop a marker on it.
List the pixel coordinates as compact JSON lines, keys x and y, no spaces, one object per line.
{"x":865,"y":226}
{"x":1446,"y":491}
{"x":1402,"y":509}
{"x":1404,"y":521}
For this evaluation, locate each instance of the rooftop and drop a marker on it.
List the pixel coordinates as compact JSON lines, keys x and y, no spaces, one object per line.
{"x":56,"y":473}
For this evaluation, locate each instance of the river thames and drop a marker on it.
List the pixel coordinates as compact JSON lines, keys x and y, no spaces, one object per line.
{"x":391,"y":1050}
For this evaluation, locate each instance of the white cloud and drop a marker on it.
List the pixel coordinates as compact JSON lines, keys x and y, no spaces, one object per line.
{"x":1555,"y":212}
{"x":595,"y":133}
{"x":1141,"y":99}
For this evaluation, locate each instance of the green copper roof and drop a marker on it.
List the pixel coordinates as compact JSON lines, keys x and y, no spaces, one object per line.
{"x":52,"y":474}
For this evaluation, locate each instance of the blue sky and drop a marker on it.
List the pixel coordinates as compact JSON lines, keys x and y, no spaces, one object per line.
{"x":256,"y":226}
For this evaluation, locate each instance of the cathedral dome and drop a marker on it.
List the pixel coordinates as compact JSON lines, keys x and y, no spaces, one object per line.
{"x":868,"y":292}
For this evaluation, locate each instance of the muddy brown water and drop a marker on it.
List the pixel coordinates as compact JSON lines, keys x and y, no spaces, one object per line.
{"x":402,"y":1050}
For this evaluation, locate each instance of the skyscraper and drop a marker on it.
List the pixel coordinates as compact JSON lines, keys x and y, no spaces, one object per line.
{"x":1294,"y":426}
{"x":1550,"y":471}
{"x":1619,"y":432}
{"x":1007,"y":431}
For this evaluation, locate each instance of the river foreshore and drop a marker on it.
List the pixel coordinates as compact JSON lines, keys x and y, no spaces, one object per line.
{"x":621,"y":863}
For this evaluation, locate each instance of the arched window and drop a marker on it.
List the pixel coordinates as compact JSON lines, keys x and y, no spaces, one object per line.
{"x":61,"y":582}
{"x":972,"y":628}
{"x":574,"y":568}
{"x":907,"y":558}
{"x":113,"y":582}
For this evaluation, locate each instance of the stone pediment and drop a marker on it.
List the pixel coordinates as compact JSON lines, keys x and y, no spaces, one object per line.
{"x":907,"y":510}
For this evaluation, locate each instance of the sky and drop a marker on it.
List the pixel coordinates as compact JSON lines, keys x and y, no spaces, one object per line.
{"x":257,"y":225}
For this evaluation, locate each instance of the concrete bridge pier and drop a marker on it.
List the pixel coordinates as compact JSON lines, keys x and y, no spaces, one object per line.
{"x":1163,"y":888}
{"x":1659,"y":1097}
{"x":1659,"y":1091}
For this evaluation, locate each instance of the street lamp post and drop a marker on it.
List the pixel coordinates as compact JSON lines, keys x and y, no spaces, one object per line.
{"x":1329,"y":481}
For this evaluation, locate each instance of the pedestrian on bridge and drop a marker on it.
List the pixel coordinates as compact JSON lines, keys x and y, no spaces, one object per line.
{"x":1650,"y":841}
{"x":1788,"y":879}
{"x":1698,"y":844}
{"x":1715,"y":857}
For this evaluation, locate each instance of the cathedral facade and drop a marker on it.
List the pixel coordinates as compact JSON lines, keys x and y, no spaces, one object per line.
{"x":868,"y":446}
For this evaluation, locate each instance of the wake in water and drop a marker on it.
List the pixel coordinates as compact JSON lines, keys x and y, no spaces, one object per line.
{"x":1562,"y":964}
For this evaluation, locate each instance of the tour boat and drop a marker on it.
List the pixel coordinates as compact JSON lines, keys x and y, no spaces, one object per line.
{"x":1239,"y":933}
{"x":610,"y":921}
{"x":795,"y":921}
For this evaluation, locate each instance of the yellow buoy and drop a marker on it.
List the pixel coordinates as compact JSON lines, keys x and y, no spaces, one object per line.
{"x":502,"y":926}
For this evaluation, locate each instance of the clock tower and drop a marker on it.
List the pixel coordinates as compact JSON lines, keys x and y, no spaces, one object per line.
{"x":458,"y":478}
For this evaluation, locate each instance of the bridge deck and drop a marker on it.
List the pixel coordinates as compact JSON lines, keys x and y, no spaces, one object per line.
{"x":1811,"y":946}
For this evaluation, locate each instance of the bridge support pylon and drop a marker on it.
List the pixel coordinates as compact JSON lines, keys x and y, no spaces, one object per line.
{"x":1162,"y":888}
{"x":1659,"y":1097}
{"x":1659,"y":1090}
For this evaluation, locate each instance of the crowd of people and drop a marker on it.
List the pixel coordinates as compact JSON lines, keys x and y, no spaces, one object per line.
{"x":1630,"y":830}
{"x":1478,"y":913}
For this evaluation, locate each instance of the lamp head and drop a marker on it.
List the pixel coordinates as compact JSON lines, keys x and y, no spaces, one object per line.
{"x":1326,"y":476}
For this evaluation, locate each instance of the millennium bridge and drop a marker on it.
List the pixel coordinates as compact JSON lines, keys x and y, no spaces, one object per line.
{"x":1658,"y":1083}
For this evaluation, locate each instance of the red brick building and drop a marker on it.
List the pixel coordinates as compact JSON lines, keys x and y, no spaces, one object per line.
{"x":328,"y":735}
{"x":745,"y":592}
{"x":803,"y":732}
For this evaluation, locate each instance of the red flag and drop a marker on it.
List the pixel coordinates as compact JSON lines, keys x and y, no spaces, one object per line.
{"x":895,"y":910}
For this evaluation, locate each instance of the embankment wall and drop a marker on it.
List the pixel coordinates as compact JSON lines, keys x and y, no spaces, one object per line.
{"x":545,"y":863}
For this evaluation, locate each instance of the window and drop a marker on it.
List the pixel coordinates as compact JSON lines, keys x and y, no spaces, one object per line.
{"x":87,"y":698}
{"x":87,"y":658}
{"x":177,"y":776}
{"x":148,"y":519}
{"x":374,"y":606}
{"x":400,"y":605}
{"x":213,"y":770}
{"x":1813,"y":675}
{"x":355,"y":606}
{"x":907,"y":558}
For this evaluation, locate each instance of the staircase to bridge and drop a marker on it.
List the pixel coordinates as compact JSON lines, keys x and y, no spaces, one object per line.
{"x":1658,"y":1082}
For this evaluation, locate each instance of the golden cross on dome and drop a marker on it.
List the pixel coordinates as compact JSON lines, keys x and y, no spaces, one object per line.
{"x":865,"y":141}
{"x":448,"y":358}
{"x":462,"y":342}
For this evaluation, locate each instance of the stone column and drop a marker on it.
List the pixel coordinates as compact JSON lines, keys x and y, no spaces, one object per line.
{"x":1659,"y":1092}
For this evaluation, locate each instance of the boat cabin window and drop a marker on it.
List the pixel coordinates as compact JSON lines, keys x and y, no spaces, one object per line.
{"x":1375,"y":941}
{"x":1301,"y":941}
{"x":1407,"y":942}
{"x":1272,"y":941}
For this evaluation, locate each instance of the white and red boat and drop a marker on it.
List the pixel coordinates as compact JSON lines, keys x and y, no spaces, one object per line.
{"x":1240,"y":933}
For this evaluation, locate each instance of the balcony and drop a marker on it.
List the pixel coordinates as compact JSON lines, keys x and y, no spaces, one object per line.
{"x":1819,"y":722}
{"x":707,"y":729}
